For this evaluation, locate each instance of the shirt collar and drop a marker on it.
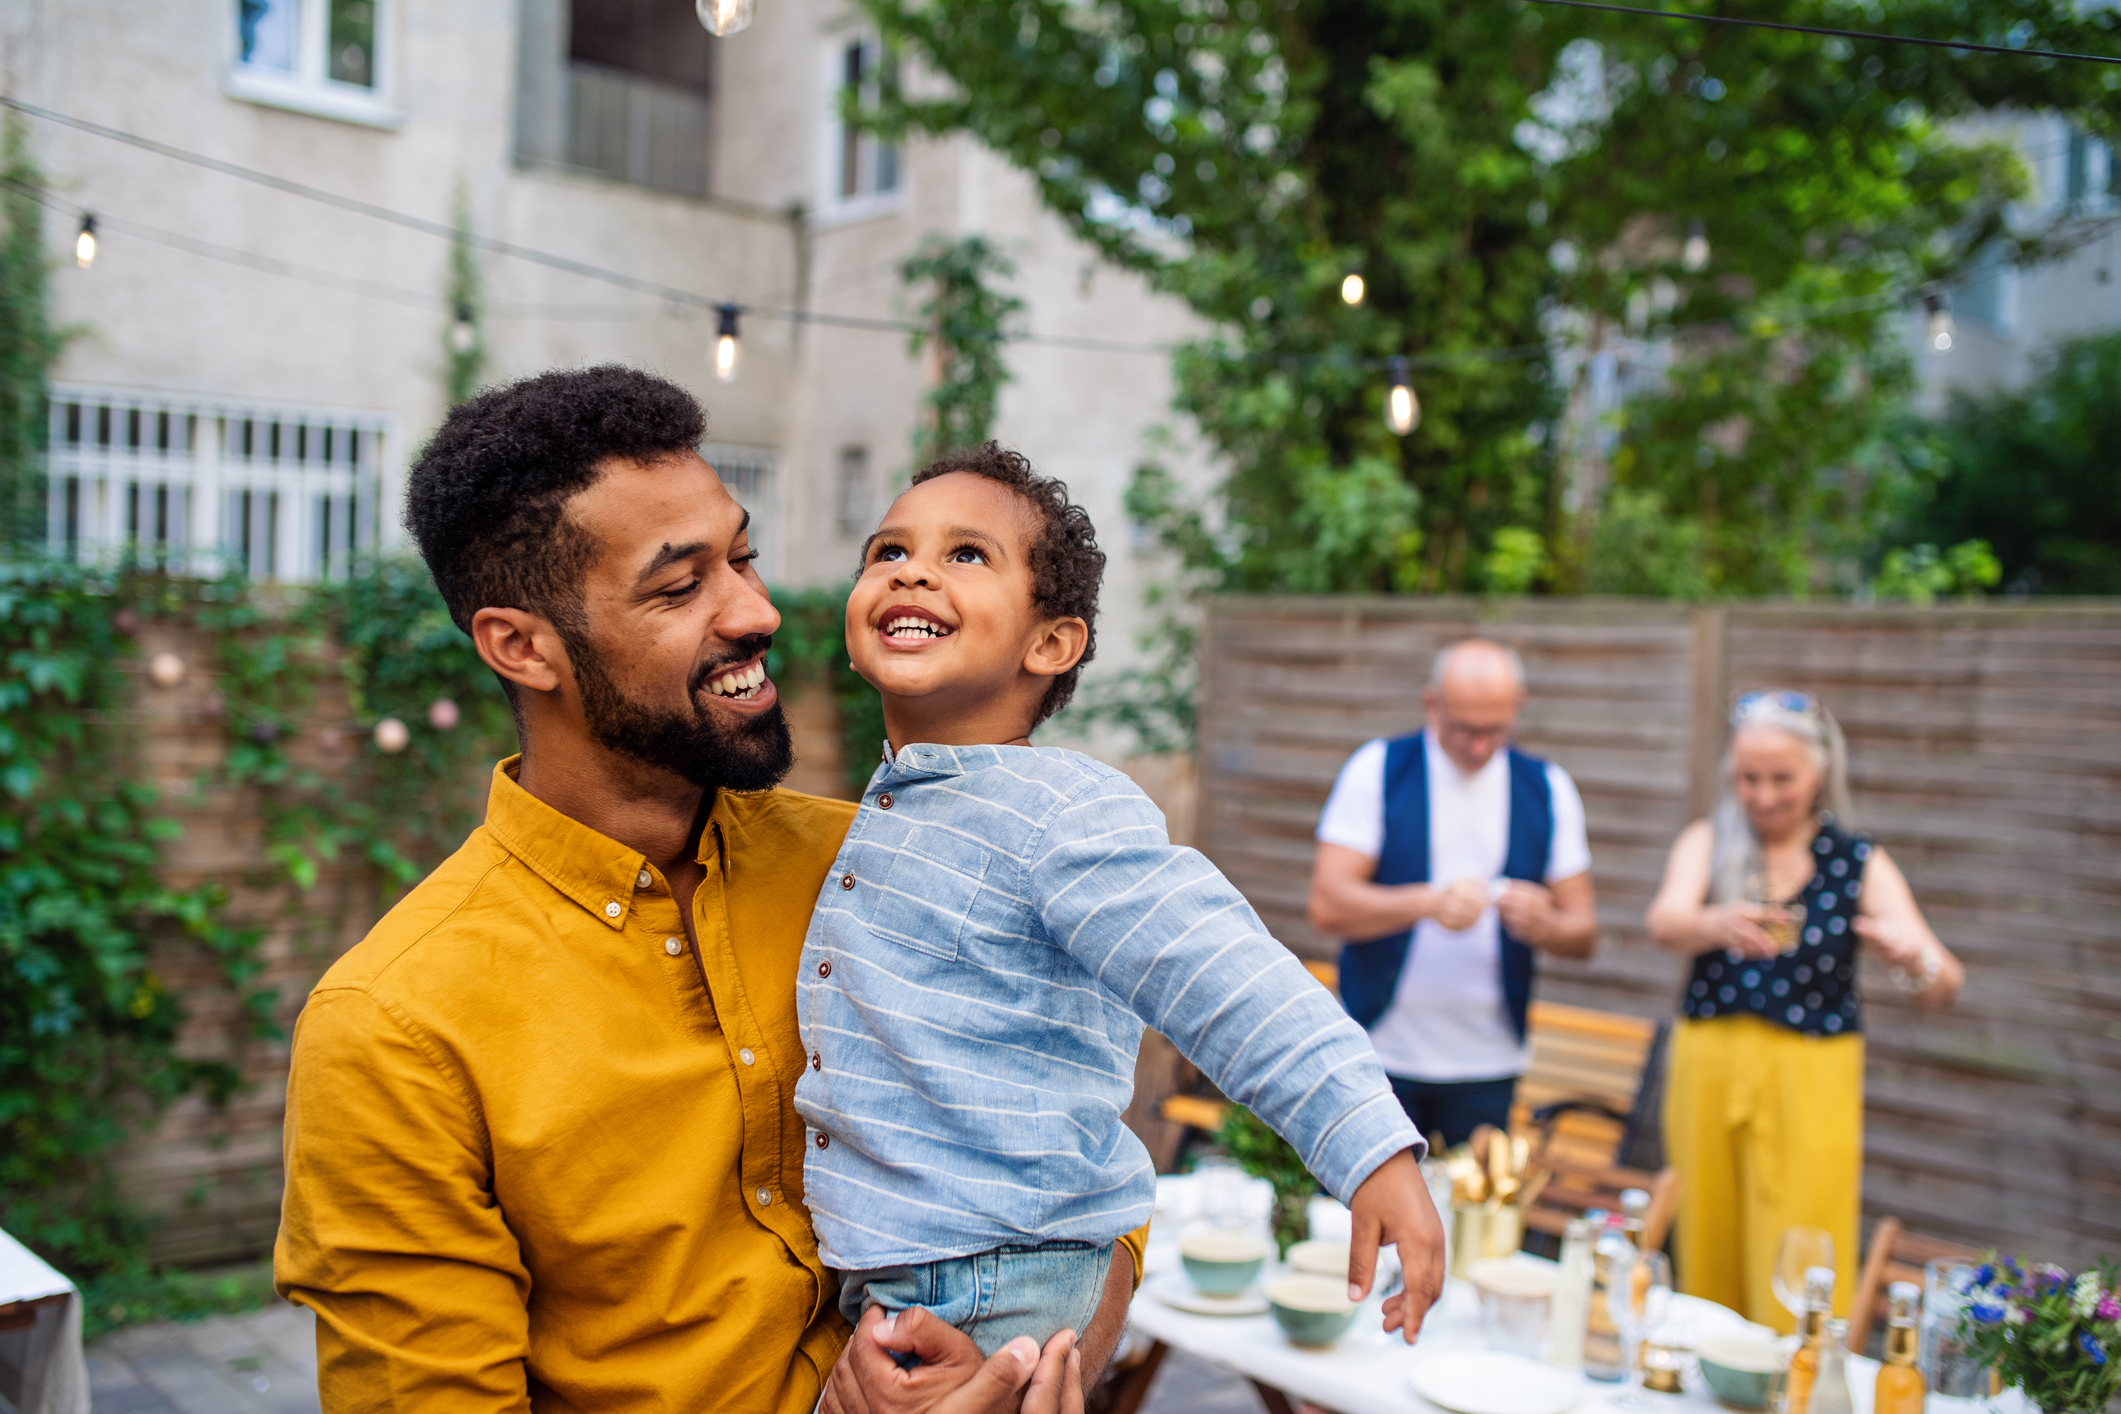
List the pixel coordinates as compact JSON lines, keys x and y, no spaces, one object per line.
{"x":925,"y":758}
{"x":593,"y":869}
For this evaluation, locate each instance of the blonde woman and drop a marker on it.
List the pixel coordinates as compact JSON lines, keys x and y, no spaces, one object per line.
{"x":1770,"y":898}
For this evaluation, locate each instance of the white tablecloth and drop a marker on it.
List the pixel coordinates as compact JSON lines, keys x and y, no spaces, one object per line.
{"x":41,"y":1367}
{"x":1366,"y":1372}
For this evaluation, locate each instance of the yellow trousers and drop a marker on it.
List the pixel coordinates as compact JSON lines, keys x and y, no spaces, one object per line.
{"x":1765,"y":1126}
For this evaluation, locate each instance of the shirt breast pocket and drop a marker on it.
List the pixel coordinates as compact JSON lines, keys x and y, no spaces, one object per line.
{"x":933,"y":882}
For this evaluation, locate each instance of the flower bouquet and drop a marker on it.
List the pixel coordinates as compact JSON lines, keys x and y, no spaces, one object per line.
{"x":2054,"y":1335}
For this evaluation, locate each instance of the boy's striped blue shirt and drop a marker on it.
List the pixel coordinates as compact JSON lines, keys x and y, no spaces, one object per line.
{"x":998,"y":927}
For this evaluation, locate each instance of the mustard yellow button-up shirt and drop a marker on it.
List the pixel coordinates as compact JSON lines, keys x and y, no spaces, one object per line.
{"x":541,"y":1154}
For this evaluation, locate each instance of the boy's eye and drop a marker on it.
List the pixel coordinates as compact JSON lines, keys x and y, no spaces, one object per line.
{"x":890,"y":553}
{"x":967,"y":555}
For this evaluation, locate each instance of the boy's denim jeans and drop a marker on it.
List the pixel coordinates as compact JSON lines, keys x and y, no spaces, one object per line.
{"x":996,"y":1296}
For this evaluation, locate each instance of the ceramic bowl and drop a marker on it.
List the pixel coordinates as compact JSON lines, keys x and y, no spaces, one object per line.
{"x":1311,"y":1310}
{"x":1222,"y":1263}
{"x":1738,"y":1367}
{"x":1319,"y":1258}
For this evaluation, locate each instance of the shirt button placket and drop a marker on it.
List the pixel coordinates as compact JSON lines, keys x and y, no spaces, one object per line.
{"x":765,"y":1197}
{"x":673,"y":946}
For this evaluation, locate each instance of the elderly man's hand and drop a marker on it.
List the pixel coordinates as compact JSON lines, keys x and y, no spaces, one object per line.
{"x":952,"y":1378}
{"x":1459,"y":907}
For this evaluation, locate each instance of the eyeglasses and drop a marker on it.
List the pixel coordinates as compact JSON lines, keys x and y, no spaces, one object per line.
{"x":1752,"y":705}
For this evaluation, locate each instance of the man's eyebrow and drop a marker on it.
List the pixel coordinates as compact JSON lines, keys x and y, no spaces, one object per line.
{"x":670,"y":554}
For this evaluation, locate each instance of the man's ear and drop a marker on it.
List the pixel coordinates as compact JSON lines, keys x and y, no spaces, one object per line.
{"x":522,"y":647}
{"x":1058,"y":647}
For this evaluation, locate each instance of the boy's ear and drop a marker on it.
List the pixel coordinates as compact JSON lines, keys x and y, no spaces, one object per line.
{"x":522,"y":647}
{"x":1058,"y":647}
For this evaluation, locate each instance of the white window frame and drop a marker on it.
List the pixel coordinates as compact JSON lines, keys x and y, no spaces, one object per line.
{"x":310,"y":89}
{"x":834,"y":208}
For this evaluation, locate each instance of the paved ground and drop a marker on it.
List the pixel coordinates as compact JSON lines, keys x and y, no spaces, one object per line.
{"x":266,"y":1363}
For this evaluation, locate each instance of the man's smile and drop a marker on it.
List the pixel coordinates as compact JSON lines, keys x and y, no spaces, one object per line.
{"x":743,"y":685}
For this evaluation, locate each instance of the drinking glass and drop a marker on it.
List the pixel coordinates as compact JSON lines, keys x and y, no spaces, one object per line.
{"x":1946,"y":1367}
{"x":1800,"y":1249}
{"x":1639,"y":1300}
{"x":1783,"y":933}
{"x":1223,"y":1190}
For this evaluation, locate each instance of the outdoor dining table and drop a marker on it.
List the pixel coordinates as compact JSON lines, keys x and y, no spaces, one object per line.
{"x":1370,"y":1372}
{"x":41,"y":1367}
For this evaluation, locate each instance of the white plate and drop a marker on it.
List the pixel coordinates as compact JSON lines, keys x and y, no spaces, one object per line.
{"x":1482,"y":1382}
{"x":1175,"y":1290}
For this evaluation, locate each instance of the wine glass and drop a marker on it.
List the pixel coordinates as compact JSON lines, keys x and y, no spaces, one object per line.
{"x":1639,"y":1299}
{"x":1800,"y":1249}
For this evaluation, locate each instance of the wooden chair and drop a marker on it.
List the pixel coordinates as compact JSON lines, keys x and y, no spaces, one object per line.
{"x":1895,"y":1255}
{"x":1576,"y":1188}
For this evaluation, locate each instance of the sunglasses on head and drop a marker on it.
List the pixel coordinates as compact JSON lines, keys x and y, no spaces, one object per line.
{"x":1763,"y":704}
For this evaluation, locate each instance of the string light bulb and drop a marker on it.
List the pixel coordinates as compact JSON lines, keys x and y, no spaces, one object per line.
{"x":1402,"y":408}
{"x":724,"y":17}
{"x":1694,"y":255}
{"x":463,"y":332}
{"x":1940,"y":331}
{"x":1352,"y":290}
{"x":725,"y":344}
{"x":85,"y":243}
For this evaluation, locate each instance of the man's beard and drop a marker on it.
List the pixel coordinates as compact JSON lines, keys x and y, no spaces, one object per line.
{"x":752,"y":754}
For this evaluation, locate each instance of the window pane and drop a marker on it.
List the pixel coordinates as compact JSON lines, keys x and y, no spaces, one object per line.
{"x":353,"y":42}
{"x":265,"y":33}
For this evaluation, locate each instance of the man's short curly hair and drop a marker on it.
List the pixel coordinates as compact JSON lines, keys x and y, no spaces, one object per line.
{"x":487,"y":500}
{"x":1066,"y":565}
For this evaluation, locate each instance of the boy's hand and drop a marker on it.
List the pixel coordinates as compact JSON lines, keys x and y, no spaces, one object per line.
{"x":952,"y":1377}
{"x":1393,"y":1206}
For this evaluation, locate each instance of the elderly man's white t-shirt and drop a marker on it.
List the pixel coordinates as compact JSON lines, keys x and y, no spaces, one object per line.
{"x":1448,"y":1019}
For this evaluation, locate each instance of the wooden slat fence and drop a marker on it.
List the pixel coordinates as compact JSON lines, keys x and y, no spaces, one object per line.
{"x":1986,"y":755}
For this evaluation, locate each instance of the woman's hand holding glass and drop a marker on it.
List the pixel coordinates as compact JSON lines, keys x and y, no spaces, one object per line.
{"x":1742,"y":928}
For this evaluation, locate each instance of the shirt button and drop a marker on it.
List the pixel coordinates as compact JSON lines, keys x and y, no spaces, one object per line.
{"x":612,"y":909}
{"x":846,"y":881}
{"x":824,"y":1141}
{"x":644,"y":878}
{"x":673,"y":946}
{"x":765,"y":1197}
{"x":824,"y":969}
{"x":745,"y":1056}
{"x":884,"y":801}
{"x":817,"y":1062}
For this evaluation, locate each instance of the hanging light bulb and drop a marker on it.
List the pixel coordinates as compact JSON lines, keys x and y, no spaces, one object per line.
{"x":725,"y":345}
{"x":1402,"y":408}
{"x":724,"y":17}
{"x":1694,"y":255}
{"x":463,"y":332}
{"x":85,"y":243}
{"x":1352,"y":289}
{"x":1940,"y":333}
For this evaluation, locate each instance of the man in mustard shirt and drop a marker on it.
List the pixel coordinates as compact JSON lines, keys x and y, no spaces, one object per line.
{"x":541,"y":1150}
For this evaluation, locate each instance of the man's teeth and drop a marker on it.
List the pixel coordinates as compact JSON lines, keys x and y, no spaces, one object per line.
{"x":910,"y":627}
{"x":742,"y":684}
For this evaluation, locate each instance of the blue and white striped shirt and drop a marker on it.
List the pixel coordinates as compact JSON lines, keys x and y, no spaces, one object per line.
{"x":999,"y":924}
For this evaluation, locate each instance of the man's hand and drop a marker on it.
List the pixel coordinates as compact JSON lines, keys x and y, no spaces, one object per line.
{"x":1459,"y":907}
{"x":952,"y":1377}
{"x":1393,"y":1206}
{"x":1527,"y":911}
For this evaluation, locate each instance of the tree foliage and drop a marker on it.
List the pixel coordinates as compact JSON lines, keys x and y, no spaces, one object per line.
{"x":29,"y":345}
{"x":962,"y":325}
{"x":1511,"y":178}
{"x":2035,"y":472}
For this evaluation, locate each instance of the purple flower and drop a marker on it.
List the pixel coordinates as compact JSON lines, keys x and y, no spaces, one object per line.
{"x":1986,"y":1312}
{"x":1984,"y":1275}
{"x":2049,"y":1274}
{"x":2095,"y":1351}
{"x":2108,"y":1309}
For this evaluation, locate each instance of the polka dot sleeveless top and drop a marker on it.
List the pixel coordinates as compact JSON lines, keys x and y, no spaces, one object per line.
{"x":1813,"y":988}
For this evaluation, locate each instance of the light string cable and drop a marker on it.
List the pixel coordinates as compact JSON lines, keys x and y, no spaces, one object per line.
{"x":1873,"y":36}
{"x":1772,"y":321}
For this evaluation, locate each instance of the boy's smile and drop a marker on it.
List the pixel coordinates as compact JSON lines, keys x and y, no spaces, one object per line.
{"x":942,"y":620}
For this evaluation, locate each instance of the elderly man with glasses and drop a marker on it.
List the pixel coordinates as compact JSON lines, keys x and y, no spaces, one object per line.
{"x":1447,"y":858}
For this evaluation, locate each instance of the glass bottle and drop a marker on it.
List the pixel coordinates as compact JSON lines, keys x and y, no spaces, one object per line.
{"x":1635,"y":1208}
{"x":1571,"y":1309}
{"x":1811,"y":1330}
{"x":1612,"y":1259}
{"x":1830,"y":1385}
{"x":1901,"y":1388}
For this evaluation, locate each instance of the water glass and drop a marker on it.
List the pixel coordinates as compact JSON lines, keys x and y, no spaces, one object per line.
{"x":1946,"y":1367}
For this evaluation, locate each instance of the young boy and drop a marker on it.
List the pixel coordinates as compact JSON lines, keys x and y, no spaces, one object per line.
{"x":999,"y":925}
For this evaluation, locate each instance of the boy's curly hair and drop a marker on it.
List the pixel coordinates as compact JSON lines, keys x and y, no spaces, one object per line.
{"x":1066,"y":565}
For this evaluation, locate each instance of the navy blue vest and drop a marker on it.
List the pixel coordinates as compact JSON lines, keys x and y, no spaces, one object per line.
{"x":1370,"y":968}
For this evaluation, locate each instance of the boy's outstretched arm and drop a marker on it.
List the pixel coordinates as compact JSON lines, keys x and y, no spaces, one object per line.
{"x":1162,"y":930}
